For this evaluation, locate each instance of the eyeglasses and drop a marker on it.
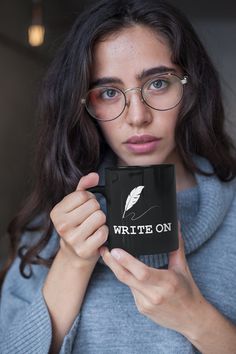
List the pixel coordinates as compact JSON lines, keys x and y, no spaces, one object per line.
{"x":162,"y":92}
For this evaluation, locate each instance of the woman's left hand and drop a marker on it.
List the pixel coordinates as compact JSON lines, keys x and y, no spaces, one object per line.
{"x":169,"y":297}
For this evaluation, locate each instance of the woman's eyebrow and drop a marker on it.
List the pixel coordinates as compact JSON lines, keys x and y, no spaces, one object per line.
{"x":105,"y":80}
{"x":145,"y":73}
{"x":156,"y":70}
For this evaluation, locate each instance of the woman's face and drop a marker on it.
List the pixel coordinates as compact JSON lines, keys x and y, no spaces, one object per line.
{"x":124,"y":60}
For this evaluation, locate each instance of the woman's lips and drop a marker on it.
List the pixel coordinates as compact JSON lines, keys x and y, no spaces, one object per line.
{"x":142,"y":143}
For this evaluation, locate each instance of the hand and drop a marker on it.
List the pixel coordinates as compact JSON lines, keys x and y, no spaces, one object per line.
{"x":168,"y":297}
{"x":80,"y":223}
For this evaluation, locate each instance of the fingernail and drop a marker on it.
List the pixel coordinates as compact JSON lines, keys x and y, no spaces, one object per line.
{"x":116,"y":254}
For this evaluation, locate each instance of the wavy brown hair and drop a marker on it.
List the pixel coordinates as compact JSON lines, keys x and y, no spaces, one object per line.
{"x":70,"y":143}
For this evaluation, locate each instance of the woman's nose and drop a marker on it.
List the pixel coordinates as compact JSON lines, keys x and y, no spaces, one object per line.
{"x":137,"y":112}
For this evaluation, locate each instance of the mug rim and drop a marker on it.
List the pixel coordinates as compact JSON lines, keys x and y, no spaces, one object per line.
{"x":112,"y":168}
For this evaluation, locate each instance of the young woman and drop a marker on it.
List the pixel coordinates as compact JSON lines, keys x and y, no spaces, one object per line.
{"x":132,"y":85}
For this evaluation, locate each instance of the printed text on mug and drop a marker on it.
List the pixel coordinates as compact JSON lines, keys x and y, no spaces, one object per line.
{"x":141,"y":229}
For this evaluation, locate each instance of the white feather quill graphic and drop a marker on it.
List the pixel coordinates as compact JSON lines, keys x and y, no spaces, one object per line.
{"x":132,"y":199}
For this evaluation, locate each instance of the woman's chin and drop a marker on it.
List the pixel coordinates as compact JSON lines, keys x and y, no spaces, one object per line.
{"x":141,"y":161}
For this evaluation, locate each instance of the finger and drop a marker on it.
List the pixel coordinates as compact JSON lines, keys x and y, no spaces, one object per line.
{"x":120,"y":272}
{"x":92,"y":244}
{"x":90,"y":180}
{"x":147,"y":302}
{"x":88,"y":227}
{"x":152,"y":293}
{"x":139,"y":270}
{"x":74,"y":200}
{"x":140,"y":298}
{"x":177,"y":259}
{"x":123,"y":274}
{"x":79,"y":214}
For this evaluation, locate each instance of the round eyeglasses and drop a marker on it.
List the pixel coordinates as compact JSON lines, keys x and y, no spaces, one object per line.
{"x":162,"y":92}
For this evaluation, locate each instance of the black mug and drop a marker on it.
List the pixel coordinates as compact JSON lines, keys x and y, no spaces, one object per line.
{"x":141,"y":208}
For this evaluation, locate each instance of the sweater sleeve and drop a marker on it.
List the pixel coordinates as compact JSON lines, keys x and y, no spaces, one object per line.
{"x":25,"y":324}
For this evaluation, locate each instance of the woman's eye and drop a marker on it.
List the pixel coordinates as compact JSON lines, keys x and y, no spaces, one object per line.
{"x":158,"y":84}
{"x":109,"y":94}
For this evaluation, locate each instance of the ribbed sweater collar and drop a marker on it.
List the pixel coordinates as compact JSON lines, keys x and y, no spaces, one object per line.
{"x":213,"y":199}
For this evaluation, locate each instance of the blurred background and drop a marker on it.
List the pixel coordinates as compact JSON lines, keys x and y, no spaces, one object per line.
{"x":22,"y":66}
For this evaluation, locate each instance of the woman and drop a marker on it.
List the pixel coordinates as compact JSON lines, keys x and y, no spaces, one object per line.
{"x":59,"y":295}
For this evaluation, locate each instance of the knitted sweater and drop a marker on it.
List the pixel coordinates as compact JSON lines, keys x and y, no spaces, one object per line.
{"x":109,"y":321}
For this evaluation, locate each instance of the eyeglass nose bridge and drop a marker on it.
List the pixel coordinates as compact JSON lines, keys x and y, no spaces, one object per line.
{"x":139,"y":89}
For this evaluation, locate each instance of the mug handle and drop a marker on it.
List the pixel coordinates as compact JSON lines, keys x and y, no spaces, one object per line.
{"x":97,"y":189}
{"x":101,"y":190}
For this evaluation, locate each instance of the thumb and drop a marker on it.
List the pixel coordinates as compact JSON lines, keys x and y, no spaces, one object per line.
{"x":87,"y":181}
{"x":177,"y":259}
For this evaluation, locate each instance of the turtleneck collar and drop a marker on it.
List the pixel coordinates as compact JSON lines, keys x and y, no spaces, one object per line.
{"x":206,"y":205}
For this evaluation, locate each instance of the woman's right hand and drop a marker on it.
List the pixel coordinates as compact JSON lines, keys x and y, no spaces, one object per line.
{"x":80,"y":223}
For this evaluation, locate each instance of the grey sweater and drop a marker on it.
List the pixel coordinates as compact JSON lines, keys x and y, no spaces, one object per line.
{"x":109,"y":321}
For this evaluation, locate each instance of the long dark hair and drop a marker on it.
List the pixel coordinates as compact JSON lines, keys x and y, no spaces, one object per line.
{"x":70,"y":143}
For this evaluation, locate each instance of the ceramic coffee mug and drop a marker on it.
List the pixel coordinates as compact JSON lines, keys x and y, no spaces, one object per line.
{"x":141,"y":208}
